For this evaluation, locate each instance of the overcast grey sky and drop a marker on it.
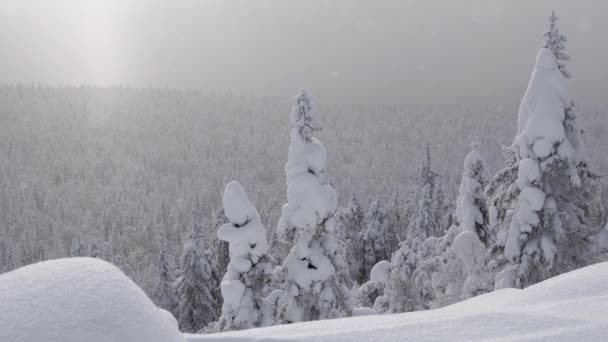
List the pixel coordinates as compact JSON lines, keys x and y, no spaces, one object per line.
{"x":384,"y":50}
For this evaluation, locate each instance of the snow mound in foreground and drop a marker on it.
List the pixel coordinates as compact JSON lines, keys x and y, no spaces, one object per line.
{"x":79,"y":299}
{"x":570,"y":307}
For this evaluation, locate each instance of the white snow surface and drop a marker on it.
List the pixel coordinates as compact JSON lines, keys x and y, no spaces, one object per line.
{"x":380,"y":272}
{"x":544,"y":102}
{"x":245,"y":233}
{"x":79,"y":299}
{"x":570,"y":307}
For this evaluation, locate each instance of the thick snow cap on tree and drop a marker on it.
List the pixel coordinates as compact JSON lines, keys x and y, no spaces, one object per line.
{"x":381,"y":272}
{"x":548,"y":142}
{"x":469,"y":248}
{"x":474,"y":177}
{"x":310,"y":199}
{"x":542,"y":110}
{"x":317,"y":280}
{"x":245,"y":233}
{"x":76,"y":300}
{"x":248,"y":270}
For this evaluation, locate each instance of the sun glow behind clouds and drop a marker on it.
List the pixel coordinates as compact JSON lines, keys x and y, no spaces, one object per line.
{"x":65,"y":41}
{"x":100,"y":37}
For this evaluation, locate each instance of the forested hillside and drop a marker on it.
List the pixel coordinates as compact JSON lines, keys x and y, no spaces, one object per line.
{"x":118,"y":172}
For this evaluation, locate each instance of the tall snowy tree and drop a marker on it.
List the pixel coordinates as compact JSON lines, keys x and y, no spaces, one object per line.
{"x":423,"y":225}
{"x":317,"y":283}
{"x":473,"y":219}
{"x":196,"y":287}
{"x":555,"y":41}
{"x":395,"y":223}
{"x":471,"y":210}
{"x":542,"y":230}
{"x":351,"y":225}
{"x":248,"y":278}
{"x":164,"y":294}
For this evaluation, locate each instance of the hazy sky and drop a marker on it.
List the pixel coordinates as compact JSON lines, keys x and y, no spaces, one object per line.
{"x":393,"y":50}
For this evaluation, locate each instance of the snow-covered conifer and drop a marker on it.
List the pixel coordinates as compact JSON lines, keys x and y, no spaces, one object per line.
{"x":444,"y":209}
{"x":164,"y":294}
{"x":471,"y":211}
{"x":399,"y":292}
{"x":423,"y":225}
{"x":473,"y":220}
{"x":195,"y":286}
{"x":247,"y":280}
{"x":351,"y":225}
{"x":317,"y":284}
{"x":395,"y":224}
{"x":555,"y":41}
{"x":220,"y":248}
{"x":375,"y":237}
{"x":366,"y":294}
{"x":542,"y":230}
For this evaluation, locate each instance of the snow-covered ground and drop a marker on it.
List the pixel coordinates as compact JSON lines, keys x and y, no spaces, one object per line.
{"x":79,"y":300}
{"x":83,"y":299}
{"x":570,"y":307}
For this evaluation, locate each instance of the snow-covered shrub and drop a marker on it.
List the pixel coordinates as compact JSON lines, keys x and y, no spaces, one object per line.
{"x":366,"y":294}
{"x":398,"y":290}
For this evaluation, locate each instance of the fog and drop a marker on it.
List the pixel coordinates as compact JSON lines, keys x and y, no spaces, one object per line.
{"x":450,"y":52}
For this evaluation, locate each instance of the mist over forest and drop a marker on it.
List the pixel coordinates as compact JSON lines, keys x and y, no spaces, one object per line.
{"x":184,"y":171}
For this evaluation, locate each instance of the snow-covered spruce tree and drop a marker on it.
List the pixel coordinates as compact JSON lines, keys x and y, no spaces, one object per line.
{"x":351,"y":225}
{"x":471,"y":211}
{"x":220,"y":248}
{"x":365,"y":295}
{"x":555,"y":41}
{"x":398,"y":291}
{"x":395,"y":224}
{"x":248,"y":278}
{"x":317,"y":282}
{"x":472,"y":216}
{"x":444,"y":208}
{"x":375,"y":237}
{"x":414,"y":265}
{"x":538,"y":200}
{"x":195,"y":286}
{"x":423,"y":224}
{"x":164,"y":294}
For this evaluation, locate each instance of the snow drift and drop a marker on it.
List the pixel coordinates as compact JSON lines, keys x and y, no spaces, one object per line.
{"x":572,"y":306}
{"x":79,"y":299}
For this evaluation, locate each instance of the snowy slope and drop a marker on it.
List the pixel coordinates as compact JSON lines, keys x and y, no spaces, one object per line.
{"x":78,"y":300}
{"x":570,"y":307}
